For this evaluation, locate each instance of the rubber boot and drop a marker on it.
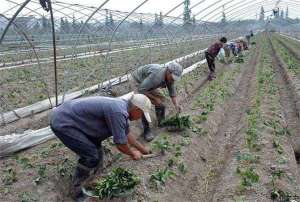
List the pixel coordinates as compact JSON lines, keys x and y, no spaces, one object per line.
{"x":160,"y":114}
{"x":147,"y":134}
{"x":211,"y":76}
{"x":100,"y":164}
{"x":81,"y":174}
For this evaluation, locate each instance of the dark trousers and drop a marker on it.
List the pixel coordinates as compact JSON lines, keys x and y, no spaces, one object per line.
{"x":210,"y":62}
{"x":87,"y":148}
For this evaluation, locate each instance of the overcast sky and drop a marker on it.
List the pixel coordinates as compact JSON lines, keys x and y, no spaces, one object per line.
{"x":207,"y":10}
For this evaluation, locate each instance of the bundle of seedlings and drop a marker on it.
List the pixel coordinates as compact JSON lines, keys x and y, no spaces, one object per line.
{"x":239,"y":59}
{"x":177,"y":123}
{"x":253,"y":43}
{"x":119,"y":183}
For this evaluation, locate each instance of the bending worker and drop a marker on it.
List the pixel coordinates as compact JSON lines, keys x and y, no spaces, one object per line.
{"x":82,"y":125}
{"x":211,"y":54}
{"x":147,"y":80}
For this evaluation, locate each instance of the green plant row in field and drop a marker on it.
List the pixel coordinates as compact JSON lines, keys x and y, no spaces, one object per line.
{"x":291,"y":62}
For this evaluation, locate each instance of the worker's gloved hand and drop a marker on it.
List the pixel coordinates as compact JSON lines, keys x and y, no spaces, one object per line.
{"x":136,"y":155}
{"x":45,"y":4}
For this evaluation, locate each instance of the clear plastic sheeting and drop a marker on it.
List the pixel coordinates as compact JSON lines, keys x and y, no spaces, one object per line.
{"x":16,"y":142}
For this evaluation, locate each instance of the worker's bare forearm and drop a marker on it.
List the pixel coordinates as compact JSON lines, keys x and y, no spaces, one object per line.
{"x":125,"y":149}
{"x":132,"y":141}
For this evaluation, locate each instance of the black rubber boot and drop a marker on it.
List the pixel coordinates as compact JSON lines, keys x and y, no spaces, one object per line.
{"x":80,"y":175}
{"x":100,"y":164}
{"x":160,"y":114}
{"x":147,"y":134}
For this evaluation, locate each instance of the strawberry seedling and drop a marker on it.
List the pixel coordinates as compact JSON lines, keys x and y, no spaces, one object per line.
{"x":162,"y":145}
{"x":249,"y":176}
{"x":160,"y":177}
{"x":9,"y":177}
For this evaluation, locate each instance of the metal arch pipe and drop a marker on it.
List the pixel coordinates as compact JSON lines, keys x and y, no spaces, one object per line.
{"x":246,"y":9}
{"x":178,"y":17}
{"x":252,"y":8}
{"x":209,"y":7}
{"x":36,"y":55}
{"x":117,"y":27}
{"x":37,"y":12}
{"x":234,"y":8}
{"x":80,"y":31}
{"x":150,"y":29}
{"x":231,"y":8}
{"x":252,"y":3}
{"x":249,"y":6}
{"x":87,"y":20}
{"x":12,"y":19}
{"x":54,"y":52}
{"x":242,"y":15}
{"x":216,"y":9}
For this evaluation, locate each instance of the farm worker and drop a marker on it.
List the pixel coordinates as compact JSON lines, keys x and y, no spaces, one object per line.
{"x":211,"y":54}
{"x":243,"y":43}
{"x":82,"y":125}
{"x":248,"y":37}
{"x":233,"y":47}
{"x":147,"y":80}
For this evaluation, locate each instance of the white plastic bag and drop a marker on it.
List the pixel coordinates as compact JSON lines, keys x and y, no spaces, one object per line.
{"x":221,"y":55}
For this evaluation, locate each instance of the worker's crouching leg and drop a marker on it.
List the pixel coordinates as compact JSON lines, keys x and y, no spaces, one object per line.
{"x":160,"y":106}
{"x":89,"y":156}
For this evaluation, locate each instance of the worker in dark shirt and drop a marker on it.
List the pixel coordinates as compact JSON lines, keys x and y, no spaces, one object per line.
{"x":211,"y":54}
{"x":82,"y":125}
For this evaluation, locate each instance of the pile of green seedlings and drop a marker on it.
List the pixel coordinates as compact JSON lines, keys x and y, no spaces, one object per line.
{"x":177,"y":122}
{"x":239,"y":59}
{"x":119,"y":182}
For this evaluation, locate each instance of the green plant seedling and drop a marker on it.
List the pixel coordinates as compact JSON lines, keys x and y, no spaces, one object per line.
{"x":160,"y":177}
{"x":182,"y":168}
{"x":247,"y":158}
{"x":26,"y":197}
{"x":178,"y":151}
{"x":278,"y":146}
{"x":162,"y":145}
{"x":185,"y":141}
{"x":249,"y":177}
{"x":9,"y":176}
{"x":284,"y":196}
{"x":172,"y":161}
{"x":66,"y":167}
{"x":277,"y":173}
{"x":25,"y":162}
